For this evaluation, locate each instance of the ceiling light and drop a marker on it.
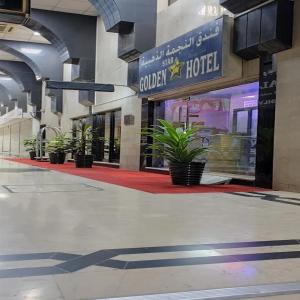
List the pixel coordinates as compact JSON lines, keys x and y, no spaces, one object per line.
{"x":249,"y":97}
{"x":36,"y":33}
{"x":31,"y":50}
{"x":5,"y":78}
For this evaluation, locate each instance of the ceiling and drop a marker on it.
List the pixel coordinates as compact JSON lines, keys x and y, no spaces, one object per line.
{"x":21,"y":33}
{"x":7,"y":56}
{"x":83,"y":7}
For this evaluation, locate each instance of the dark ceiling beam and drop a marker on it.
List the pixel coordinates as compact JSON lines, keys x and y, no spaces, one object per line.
{"x":72,"y":35}
{"x":9,"y":73}
{"x":13,"y":51}
{"x":79,"y":86}
{"x":14,"y":93}
{"x":25,"y":77}
{"x":63,"y":31}
{"x":238,"y":6}
{"x":133,"y":20}
{"x":43,"y":59}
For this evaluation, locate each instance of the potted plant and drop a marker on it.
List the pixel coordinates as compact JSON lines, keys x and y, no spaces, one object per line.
{"x":83,"y":146}
{"x":57,"y":149}
{"x":30,"y":146}
{"x":177,"y":146}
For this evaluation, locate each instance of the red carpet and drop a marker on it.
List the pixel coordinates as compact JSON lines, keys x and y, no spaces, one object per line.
{"x":142,"y":181}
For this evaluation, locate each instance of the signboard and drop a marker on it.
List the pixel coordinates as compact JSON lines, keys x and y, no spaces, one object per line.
{"x":128,"y":120}
{"x":190,"y":59}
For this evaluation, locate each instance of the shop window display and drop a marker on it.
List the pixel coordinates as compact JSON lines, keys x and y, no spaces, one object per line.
{"x":227,"y":121}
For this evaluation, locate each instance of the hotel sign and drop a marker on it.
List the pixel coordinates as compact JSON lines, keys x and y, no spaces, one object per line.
{"x":190,"y":59}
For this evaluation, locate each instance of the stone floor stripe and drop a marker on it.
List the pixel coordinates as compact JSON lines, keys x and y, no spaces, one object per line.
{"x":248,"y":292}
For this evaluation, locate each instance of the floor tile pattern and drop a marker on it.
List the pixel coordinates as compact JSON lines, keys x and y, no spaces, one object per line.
{"x":154,"y":243}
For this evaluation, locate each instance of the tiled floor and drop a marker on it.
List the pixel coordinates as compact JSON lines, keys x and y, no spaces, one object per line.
{"x":66,"y":222}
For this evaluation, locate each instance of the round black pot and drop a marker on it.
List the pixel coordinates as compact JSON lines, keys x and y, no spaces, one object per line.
{"x":84,"y":161}
{"x":60,"y":158}
{"x":32,"y":155}
{"x":53,"y":158}
{"x":187,"y":174}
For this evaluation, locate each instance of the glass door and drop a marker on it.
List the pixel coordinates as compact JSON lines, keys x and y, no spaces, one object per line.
{"x":107,"y":141}
{"x":115,"y":145}
{"x":245,"y":121}
{"x":99,"y":132}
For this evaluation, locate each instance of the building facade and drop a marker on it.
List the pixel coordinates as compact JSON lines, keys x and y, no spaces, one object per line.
{"x":246,"y":105}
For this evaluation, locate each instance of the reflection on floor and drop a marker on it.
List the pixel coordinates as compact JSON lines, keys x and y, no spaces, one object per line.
{"x":65,"y":237}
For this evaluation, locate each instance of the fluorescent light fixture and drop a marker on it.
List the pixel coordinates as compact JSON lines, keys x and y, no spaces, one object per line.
{"x":36,"y":33}
{"x":31,"y":50}
{"x":250,"y":97}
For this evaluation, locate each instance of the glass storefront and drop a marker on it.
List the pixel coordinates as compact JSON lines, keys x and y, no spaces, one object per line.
{"x":227,"y":121}
{"x":107,"y":135}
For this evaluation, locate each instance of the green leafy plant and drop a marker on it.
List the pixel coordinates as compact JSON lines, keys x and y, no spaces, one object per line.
{"x":30,"y":144}
{"x":173,"y":143}
{"x":59,"y":144}
{"x":82,"y":143}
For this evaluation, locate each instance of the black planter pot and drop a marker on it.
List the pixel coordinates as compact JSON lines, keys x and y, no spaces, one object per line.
{"x":187,"y":174}
{"x":32,"y":155}
{"x":57,"y":158}
{"x":84,"y":161}
{"x":60,"y":158}
{"x":53,"y":158}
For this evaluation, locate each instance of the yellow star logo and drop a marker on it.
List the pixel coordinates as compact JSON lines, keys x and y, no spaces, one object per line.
{"x":175,"y":69}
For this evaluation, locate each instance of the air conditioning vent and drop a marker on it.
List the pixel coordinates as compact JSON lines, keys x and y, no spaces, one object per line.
{"x":3,"y":27}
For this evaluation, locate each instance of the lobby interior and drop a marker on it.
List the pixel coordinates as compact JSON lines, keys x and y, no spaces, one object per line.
{"x":95,"y":204}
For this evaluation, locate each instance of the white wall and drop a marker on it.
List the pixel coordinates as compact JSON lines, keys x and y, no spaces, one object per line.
{"x":48,"y":118}
{"x":13,"y":135}
{"x":184,"y":16}
{"x":287,"y":125}
{"x":71,"y":107}
{"x":6,"y":140}
{"x":110,"y":69}
{"x":161,"y":5}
